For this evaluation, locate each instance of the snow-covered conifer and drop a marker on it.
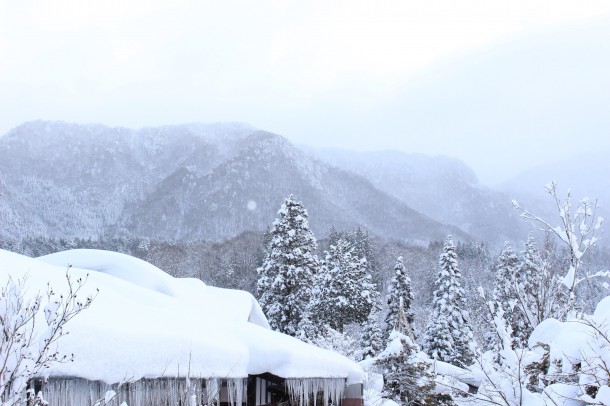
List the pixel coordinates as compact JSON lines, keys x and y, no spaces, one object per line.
{"x":344,"y":292}
{"x":286,"y":276}
{"x":400,"y":295}
{"x":506,"y":278}
{"x":541,"y":293}
{"x":333,"y":236}
{"x":372,"y":336}
{"x":407,"y":379}
{"x":448,"y":334}
{"x":506,"y":296}
{"x":364,"y":247}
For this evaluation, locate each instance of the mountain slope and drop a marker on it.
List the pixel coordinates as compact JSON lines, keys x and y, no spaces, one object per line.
{"x":69,"y":180}
{"x":267,"y":169}
{"x":440,"y":187}
{"x":181,"y":182}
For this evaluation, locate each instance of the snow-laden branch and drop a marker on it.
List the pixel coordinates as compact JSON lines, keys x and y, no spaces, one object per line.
{"x":25,"y":348}
{"x":578,"y":229}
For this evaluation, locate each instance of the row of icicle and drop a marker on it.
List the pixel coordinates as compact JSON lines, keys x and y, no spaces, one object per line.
{"x":73,"y":392}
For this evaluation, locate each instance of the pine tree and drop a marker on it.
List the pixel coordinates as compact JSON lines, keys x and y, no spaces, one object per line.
{"x":448,"y":335}
{"x":344,"y":292}
{"x":286,"y":276}
{"x":400,"y":296}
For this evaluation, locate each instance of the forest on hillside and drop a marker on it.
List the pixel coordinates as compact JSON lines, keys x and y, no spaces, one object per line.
{"x":357,"y":294}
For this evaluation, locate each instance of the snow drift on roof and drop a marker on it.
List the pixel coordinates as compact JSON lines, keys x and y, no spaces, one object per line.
{"x":145,"y":323}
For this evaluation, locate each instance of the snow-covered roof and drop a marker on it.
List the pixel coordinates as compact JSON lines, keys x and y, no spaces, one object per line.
{"x":146,"y":324}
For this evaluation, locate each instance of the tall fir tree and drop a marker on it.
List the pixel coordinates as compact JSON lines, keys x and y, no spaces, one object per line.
{"x":365,"y":247}
{"x":506,"y":277}
{"x":506,"y":295}
{"x":448,"y":334}
{"x":372,"y":341}
{"x":344,"y":292}
{"x":286,"y":276}
{"x":400,"y":296}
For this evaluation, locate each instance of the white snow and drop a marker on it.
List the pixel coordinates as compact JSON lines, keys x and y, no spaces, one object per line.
{"x":578,"y":349}
{"x":122,"y":266}
{"x":145,"y":323}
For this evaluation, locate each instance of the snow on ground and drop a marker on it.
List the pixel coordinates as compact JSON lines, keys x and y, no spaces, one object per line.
{"x":145,"y":323}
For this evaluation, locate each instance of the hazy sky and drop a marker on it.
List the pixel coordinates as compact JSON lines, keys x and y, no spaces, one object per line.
{"x":503,"y":85}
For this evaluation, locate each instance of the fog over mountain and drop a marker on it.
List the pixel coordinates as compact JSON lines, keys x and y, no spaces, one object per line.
{"x":441,"y":187}
{"x":499,"y":97}
{"x":583,"y":176}
{"x":214,"y":181}
{"x":183,"y":182}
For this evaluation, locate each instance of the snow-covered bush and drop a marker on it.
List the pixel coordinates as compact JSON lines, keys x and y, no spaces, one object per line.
{"x":506,"y":371}
{"x":566,"y":363}
{"x":27,"y":348}
{"x":578,"y":354}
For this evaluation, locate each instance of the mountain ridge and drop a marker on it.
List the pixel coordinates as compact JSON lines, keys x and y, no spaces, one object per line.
{"x":171,"y":182}
{"x":444,"y":188}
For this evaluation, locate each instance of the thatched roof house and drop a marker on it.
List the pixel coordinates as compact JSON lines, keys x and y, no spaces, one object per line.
{"x":158,"y":340}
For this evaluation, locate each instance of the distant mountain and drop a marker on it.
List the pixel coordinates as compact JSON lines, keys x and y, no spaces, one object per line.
{"x":182,"y":182}
{"x":440,"y":187}
{"x":584,"y":175}
{"x":61,"y":179}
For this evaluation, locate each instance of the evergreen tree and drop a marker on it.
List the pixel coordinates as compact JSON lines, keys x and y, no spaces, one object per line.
{"x":506,"y":278}
{"x":400,"y":296}
{"x":286,"y":276}
{"x":529,"y":273}
{"x":407,"y":378}
{"x":308,"y":330}
{"x":448,"y":335}
{"x":372,"y":336}
{"x":540,"y":292}
{"x":344,"y":292}
{"x":333,"y":237}
{"x":364,"y":247}
{"x":506,"y":296}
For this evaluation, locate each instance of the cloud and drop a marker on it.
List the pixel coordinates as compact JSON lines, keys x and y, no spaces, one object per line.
{"x":359,"y":74}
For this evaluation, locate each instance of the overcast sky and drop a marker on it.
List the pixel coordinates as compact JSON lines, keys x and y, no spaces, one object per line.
{"x":503,"y":85}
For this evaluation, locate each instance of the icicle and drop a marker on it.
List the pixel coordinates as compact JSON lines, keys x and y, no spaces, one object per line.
{"x":160,"y":391}
{"x":235,"y":388}
{"x":301,"y":391}
{"x":213,"y":391}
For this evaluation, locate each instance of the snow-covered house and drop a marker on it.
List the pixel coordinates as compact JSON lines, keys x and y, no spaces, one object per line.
{"x":156,"y":340}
